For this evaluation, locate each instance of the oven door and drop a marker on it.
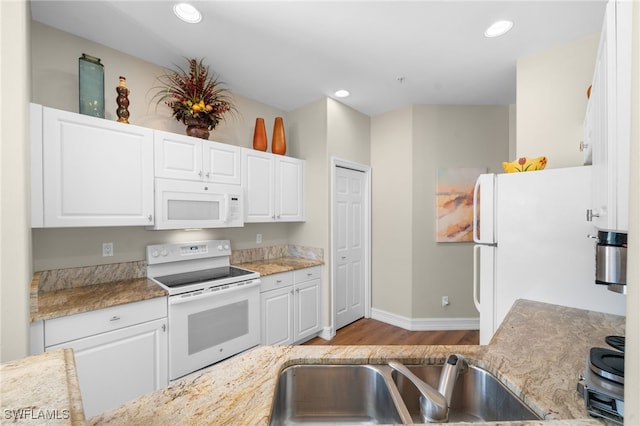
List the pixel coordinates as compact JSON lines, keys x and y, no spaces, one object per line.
{"x":205,"y":328}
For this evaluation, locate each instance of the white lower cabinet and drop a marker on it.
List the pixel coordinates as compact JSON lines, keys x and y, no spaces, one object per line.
{"x":277,"y":316}
{"x":290,"y":306}
{"x":115,"y":363}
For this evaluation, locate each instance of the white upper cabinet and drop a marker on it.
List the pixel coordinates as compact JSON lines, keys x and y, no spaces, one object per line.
{"x":274,"y":187}
{"x":607,"y":124}
{"x":189,"y":158}
{"x":88,"y":171}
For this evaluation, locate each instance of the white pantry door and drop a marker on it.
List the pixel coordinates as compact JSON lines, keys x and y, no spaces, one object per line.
{"x":349,"y":239}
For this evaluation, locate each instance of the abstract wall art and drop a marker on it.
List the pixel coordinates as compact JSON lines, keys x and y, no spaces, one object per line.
{"x":454,"y":203}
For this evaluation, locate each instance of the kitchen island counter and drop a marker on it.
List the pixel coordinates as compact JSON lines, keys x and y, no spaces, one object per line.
{"x":41,"y":389}
{"x":538,"y":352}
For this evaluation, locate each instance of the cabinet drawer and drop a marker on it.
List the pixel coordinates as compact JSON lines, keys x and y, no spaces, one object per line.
{"x":270,"y":282}
{"x":307,"y":274}
{"x":64,"y":329}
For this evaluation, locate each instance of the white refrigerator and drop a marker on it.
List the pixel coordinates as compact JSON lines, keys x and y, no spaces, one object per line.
{"x":533,"y":242}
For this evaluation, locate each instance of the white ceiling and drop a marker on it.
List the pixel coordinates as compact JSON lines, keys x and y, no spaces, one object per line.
{"x":289,"y":53}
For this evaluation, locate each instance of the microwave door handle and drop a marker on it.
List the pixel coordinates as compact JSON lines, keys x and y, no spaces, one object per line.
{"x":226,"y":208}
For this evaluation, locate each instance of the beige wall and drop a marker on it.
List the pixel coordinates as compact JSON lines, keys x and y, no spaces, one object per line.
{"x":550,"y":115}
{"x":348,"y":133}
{"x":15,"y":250}
{"x":411,"y":272}
{"x":392,"y":216}
{"x":309,"y":123}
{"x":328,"y":128}
{"x":448,"y":136}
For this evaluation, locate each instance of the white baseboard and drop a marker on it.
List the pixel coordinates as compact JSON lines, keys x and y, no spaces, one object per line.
{"x":327,"y":333}
{"x":425,"y":324}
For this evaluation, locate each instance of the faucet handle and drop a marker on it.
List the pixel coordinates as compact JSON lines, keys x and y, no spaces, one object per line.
{"x":433,"y":405}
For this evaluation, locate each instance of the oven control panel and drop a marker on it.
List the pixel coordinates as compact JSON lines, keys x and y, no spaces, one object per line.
{"x":173,"y":252}
{"x":191,"y":249}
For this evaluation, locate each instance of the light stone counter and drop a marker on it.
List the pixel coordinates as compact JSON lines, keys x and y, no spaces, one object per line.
{"x":278,"y":265}
{"x":538,"y":352}
{"x":41,"y":389}
{"x":62,"y":292}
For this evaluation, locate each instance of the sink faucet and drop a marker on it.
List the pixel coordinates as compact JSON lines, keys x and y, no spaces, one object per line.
{"x":434,"y":404}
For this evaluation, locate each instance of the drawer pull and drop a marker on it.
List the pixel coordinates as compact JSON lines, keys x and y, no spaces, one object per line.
{"x":115,"y":318}
{"x":278,"y":281}
{"x":309,"y":274}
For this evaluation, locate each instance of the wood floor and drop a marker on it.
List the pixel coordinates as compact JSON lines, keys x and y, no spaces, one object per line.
{"x":371,"y":332}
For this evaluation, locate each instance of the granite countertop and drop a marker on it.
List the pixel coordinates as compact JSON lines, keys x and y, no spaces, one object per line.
{"x":538,"y":352}
{"x":52,"y":301}
{"x":68,"y":301}
{"x":278,"y":265}
{"x":41,"y":389}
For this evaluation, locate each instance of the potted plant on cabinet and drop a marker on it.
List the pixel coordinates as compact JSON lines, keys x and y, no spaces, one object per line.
{"x":196,"y":96}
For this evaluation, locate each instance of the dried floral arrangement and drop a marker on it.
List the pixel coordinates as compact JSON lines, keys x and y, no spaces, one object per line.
{"x":195,"y":94}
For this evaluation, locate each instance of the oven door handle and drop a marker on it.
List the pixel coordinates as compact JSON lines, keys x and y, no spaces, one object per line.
{"x":178,"y":299}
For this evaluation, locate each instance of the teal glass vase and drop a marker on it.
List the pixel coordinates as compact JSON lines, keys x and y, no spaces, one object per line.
{"x":91,"y":80}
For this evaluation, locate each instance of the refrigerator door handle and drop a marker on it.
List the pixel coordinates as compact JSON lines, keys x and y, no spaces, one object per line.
{"x":476,"y":301}
{"x":484,"y":209}
{"x":476,"y":235}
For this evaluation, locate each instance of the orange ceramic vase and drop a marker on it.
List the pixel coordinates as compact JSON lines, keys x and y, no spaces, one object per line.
{"x":260,"y":135}
{"x":278,"y":142}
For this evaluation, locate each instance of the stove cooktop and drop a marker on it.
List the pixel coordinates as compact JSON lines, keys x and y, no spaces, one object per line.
{"x":209,"y":276}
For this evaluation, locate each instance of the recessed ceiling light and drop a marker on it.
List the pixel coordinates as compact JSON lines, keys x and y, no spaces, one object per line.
{"x":498,"y":28}
{"x":187,"y":13}
{"x":342,"y":93}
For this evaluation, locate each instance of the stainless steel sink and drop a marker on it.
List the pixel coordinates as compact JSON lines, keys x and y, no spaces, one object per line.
{"x":344,"y":394}
{"x":477,"y":396}
{"x":375,"y":394}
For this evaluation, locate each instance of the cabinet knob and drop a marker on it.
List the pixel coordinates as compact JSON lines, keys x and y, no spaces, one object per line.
{"x":150,"y":217}
{"x":115,"y":318}
{"x":200,"y":173}
{"x":278,"y":281}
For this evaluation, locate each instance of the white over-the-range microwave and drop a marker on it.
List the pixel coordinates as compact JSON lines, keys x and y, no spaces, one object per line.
{"x":184,"y":204}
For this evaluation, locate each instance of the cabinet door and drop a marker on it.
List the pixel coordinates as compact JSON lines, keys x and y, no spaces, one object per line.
{"x":95,"y":172}
{"x":609,"y":121}
{"x":290,"y":189}
{"x":221,"y":163}
{"x":177,"y":156}
{"x":307,"y":309}
{"x":258,"y":182}
{"x":598,"y":128}
{"x":120,"y":365}
{"x":277,"y":316}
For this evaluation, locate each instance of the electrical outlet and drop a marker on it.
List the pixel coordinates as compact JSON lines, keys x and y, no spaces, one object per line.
{"x":258,"y":238}
{"x":107,"y":249}
{"x":445,"y":300}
